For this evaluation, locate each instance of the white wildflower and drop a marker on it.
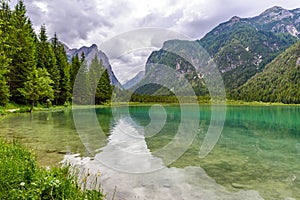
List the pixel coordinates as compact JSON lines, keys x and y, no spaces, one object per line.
{"x":22,"y":184}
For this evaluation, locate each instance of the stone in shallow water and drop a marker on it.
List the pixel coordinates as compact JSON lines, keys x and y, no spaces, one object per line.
{"x":298,"y":61}
{"x":63,"y":152}
{"x":51,"y":150}
{"x":239,"y":186}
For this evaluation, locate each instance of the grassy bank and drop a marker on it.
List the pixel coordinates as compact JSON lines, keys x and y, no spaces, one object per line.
{"x":21,"y":178}
{"x":13,"y":108}
{"x":17,"y":108}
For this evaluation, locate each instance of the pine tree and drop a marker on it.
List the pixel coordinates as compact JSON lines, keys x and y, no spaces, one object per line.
{"x":4,"y":88}
{"x":21,"y":51}
{"x":64,"y":69}
{"x":82,"y":58}
{"x":75,"y":66}
{"x":94,"y":75}
{"x":104,"y":88}
{"x":46,"y":59}
{"x":4,"y":61}
{"x":81,"y":87}
{"x":100,"y":87}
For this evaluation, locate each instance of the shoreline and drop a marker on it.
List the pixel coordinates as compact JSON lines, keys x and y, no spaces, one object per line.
{"x":13,"y":109}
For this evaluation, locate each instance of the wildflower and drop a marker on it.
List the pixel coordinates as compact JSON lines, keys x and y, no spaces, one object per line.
{"x":48,"y":168}
{"x":57,"y":181}
{"x":22,"y":184}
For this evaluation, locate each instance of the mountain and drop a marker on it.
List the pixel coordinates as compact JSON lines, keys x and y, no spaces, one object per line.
{"x":279,"y":82}
{"x":279,"y":20}
{"x":241,"y":50}
{"x":155,"y":72}
{"x":132,"y":82}
{"x":241,"y":47}
{"x":90,"y":53}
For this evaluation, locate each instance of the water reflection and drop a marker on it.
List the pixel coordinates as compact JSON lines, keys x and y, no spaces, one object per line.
{"x":126,"y":156}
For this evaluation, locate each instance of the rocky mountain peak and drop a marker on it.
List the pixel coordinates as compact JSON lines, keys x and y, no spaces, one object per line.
{"x":94,"y":46}
{"x":275,"y":9}
{"x":297,"y":10}
{"x":275,"y":13}
{"x":233,"y":20}
{"x":90,"y":53}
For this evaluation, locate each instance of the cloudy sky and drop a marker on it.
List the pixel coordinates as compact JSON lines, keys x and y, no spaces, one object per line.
{"x":83,"y":23}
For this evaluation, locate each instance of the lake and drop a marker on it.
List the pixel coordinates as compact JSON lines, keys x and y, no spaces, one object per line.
{"x":146,"y":152}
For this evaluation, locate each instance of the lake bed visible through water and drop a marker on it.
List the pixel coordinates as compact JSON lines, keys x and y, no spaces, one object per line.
{"x":257,"y":155}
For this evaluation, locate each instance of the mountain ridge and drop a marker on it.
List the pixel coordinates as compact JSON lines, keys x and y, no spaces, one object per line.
{"x":242,"y":47}
{"x":270,"y":20}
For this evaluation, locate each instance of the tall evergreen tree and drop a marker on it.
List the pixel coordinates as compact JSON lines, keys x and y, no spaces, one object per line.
{"x":82,"y":58}
{"x":4,"y":88}
{"x":64,"y":69}
{"x":21,"y":51}
{"x":75,"y":66}
{"x":81,"y":87}
{"x":5,"y":28}
{"x":94,"y":74}
{"x":101,"y":88}
{"x":46,"y":59}
{"x":104,"y":89}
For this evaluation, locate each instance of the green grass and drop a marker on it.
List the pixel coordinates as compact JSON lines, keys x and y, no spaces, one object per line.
{"x":21,"y":178}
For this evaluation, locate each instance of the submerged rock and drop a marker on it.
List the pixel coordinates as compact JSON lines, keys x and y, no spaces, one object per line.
{"x":51,"y":150}
{"x":239,"y":186}
{"x":63,"y":152}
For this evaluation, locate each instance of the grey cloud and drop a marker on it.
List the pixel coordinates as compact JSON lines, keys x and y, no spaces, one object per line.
{"x":154,"y":20}
{"x":72,"y":20}
{"x":119,"y":9}
{"x":36,"y":14}
{"x":72,"y":17}
{"x":134,"y":58}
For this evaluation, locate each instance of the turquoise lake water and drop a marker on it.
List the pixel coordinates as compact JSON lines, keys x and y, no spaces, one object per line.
{"x":259,"y":148}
